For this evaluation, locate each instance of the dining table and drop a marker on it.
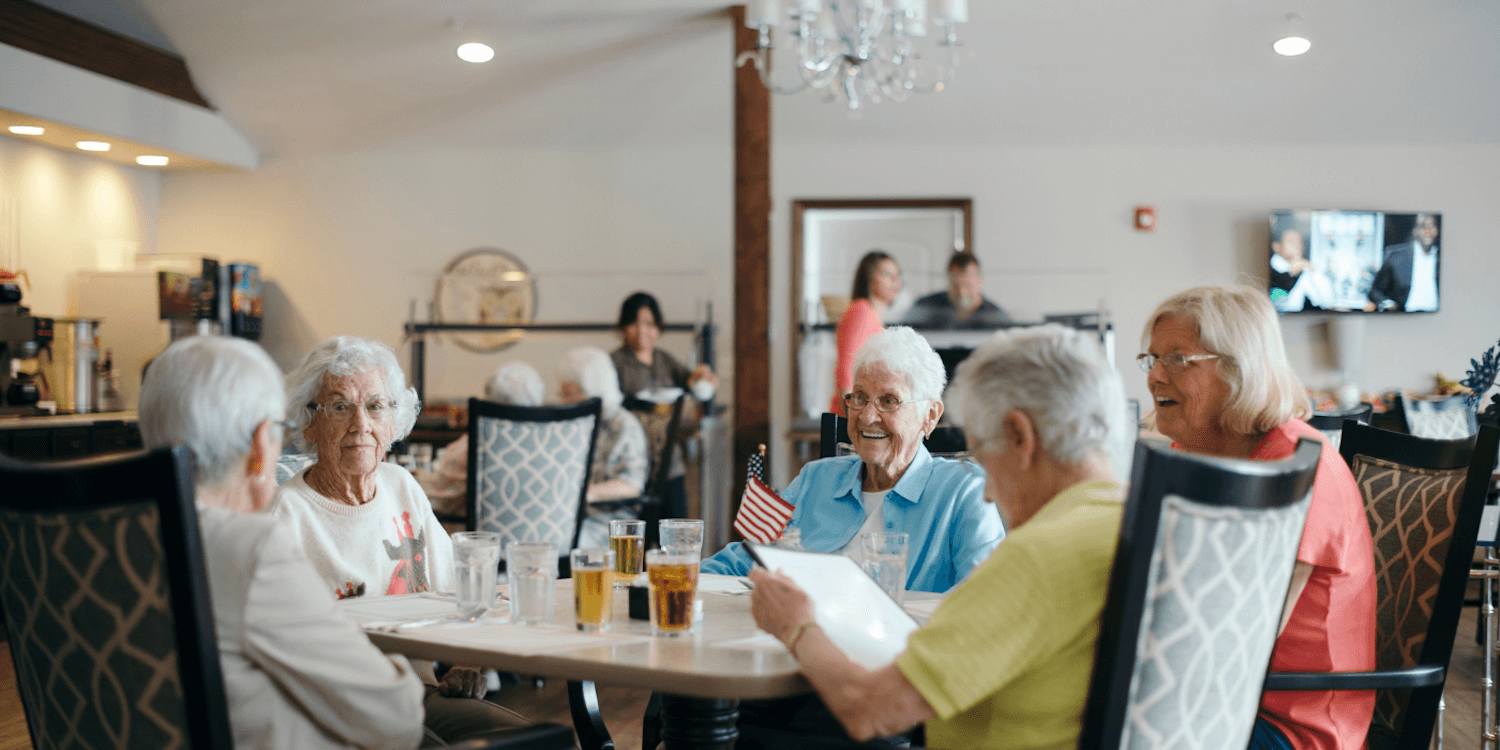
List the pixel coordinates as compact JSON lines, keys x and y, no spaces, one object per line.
{"x":701,"y":676}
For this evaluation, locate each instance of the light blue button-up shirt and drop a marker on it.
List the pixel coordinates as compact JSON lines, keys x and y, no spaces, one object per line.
{"x":938,"y":502}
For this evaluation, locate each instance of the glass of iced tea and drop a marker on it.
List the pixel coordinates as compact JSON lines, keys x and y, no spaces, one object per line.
{"x":674,"y":585}
{"x":593,"y":592}
{"x":628,"y":540}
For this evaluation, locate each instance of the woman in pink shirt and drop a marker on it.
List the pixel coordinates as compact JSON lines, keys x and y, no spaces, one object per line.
{"x":877,"y":281}
{"x":1219,"y":377}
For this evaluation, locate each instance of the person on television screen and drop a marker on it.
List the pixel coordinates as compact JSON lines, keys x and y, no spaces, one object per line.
{"x":1408,"y":279}
{"x":1290,"y":270}
{"x":963,"y":306}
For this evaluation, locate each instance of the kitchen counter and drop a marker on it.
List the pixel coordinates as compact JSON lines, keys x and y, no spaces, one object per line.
{"x":14,"y":422}
{"x":68,"y":436}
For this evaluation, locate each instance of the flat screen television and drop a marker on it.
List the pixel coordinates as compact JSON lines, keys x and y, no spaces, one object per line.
{"x":1355,"y":261}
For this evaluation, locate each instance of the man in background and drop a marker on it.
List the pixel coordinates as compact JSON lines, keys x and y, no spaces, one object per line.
{"x":1408,"y":279}
{"x":963,"y":306}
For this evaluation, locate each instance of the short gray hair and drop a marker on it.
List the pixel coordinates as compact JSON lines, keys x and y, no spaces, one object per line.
{"x":516,"y":383}
{"x":1239,"y":324}
{"x":1056,"y":376}
{"x":209,"y":393}
{"x":344,"y":356}
{"x":904,"y":352}
{"x":592,"y":370}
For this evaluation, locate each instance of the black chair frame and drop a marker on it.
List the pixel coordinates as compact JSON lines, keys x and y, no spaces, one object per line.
{"x":166,"y":474}
{"x":481,"y":408}
{"x":1336,"y":421}
{"x":1477,"y":453}
{"x":649,"y":504}
{"x":1159,"y":471}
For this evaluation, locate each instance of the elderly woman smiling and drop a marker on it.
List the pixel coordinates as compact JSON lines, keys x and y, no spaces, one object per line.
{"x":296,"y":672}
{"x":1218,"y":373}
{"x":894,"y":484}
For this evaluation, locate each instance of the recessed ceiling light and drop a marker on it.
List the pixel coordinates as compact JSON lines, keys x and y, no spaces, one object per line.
{"x":475,"y":52}
{"x":1291,"y":46}
{"x":93,"y":145}
{"x":27,"y":130}
{"x":151,"y":161}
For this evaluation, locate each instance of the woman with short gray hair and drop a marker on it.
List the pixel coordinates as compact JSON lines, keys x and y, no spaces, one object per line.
{"x":297,"y":673}
{"x":620,"y":460}
{"x":893,"y":484}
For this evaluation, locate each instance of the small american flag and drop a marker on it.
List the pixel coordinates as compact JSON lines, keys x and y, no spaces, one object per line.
{"x":763,"y":514}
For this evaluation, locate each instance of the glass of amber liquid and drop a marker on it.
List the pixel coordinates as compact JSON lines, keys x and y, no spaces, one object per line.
{"x":674,"y":585}
{"x":593,"y":592}
{"x":628,"y":540}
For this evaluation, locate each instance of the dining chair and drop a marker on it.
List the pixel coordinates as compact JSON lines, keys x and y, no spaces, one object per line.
{"x":1205,"y":555}
{"x":833,"y":439}
{"x":1443,"y":419}
{"x":1331,"y":424}
{"x":1423,"y":499}
{"x":663,"y":426}
{"x":529,"y":470}
{"x":107,"y":605}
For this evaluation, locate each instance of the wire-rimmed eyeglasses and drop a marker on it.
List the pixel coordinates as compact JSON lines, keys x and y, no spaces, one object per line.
{"x":885,"y":404}
{"x":377,"y":408}
{"x":1173,"y":362}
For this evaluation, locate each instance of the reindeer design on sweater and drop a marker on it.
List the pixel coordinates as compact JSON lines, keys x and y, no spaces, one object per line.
{"x":410,"y":554}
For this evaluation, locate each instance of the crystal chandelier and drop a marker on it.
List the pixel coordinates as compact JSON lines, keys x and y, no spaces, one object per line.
{"x":858,"y":50}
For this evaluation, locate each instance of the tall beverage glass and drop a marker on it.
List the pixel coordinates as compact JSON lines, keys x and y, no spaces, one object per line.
{"x":593,"y":590}
{"x":476,"y":560}
{"x":674,"y":585}
{"x":682,"y":536}
{"x":628,"y":540}
{"x":532,"y":568}
{"x":885,"y":561}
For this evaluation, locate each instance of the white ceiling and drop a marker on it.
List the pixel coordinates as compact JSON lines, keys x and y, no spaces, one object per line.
{"x":300,"y":76}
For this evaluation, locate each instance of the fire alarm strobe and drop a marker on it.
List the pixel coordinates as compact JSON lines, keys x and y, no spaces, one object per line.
{"x":1145,"y":218}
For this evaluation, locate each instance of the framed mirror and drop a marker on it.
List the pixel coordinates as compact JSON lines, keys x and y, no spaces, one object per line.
{"x":829,"y":237}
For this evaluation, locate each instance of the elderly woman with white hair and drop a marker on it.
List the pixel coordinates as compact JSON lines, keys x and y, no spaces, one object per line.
{"x":893,"y":484}
{"x":620,"y":460}
{"x":297,"y":673}
{"x":365,"y":523}
{"x":1218,"y":373}
{"x":447,"y":486}
{"x":1005,"y":660}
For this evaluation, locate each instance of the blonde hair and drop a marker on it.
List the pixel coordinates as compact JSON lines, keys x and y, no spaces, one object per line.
{"x":1238,"y":324}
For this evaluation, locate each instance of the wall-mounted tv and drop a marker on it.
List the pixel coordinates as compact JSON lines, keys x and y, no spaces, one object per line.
{"x":1355,"y":261}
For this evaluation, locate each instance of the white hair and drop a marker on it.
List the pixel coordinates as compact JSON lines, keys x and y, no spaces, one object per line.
{"x":340,"y":357}
{"x":210,"y":393}
{"x":1056,"y":376}
{"x":516,"y":383}
{"x":592,"y":370}
{"x":904,"y":352}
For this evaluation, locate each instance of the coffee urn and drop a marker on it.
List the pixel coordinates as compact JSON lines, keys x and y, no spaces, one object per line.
{"x":70,"y":364}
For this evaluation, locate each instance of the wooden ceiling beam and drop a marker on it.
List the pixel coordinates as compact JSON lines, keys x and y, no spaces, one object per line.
{"x":61,"y":37}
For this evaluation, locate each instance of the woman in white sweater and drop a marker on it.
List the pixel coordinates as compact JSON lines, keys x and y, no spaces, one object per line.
{"x":297,"y":673}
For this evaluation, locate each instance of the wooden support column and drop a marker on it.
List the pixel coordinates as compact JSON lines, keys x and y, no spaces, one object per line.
{"x":752,"y":257}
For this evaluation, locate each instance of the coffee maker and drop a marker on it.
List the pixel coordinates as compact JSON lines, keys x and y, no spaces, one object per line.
{"x":22,"y":337}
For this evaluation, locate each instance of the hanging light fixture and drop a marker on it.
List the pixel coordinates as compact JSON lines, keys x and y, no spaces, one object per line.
{"x":857,"y":50}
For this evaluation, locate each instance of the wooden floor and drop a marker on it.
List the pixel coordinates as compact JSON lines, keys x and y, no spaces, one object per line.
{"x":623,"y":707}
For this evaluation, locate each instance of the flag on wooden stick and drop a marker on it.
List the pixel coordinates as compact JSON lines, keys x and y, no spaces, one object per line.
{"x":763,"y":514}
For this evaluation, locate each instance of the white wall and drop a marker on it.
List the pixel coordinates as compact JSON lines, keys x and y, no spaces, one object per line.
{"x":58,"y":208}
{"x":1055,"y":212}
{"x":348,"y":241}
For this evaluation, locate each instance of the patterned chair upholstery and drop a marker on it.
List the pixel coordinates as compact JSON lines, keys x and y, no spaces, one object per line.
{"x":1442,"y":419}
{"x":1205,"y":557}
{"x":1423,"y":500}
{"x":1331,"y":424}
{"x":107,"y":606}
{"x":528,"y":470}
{"x":288,"y":464}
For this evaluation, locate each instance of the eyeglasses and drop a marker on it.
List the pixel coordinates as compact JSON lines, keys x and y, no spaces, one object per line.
{"x":377,"y":408}
{"x":1173,"y":362}
{"x":885,"y":404}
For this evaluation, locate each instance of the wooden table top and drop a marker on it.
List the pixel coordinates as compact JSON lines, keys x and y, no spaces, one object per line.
{"x":728,"y":657}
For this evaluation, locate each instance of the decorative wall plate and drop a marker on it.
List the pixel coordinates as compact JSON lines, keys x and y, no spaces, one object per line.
{"x":485,"y":285}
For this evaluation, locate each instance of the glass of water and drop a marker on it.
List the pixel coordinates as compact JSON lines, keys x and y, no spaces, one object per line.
{"x":885,"y":561}
{"x":476,"y":559}
{"x":682,"y":536}
{"x":532,"y":570}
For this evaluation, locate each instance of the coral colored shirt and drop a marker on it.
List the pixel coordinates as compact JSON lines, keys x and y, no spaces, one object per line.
{"x":1332,"y":627}
{"x":859,"y":322}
